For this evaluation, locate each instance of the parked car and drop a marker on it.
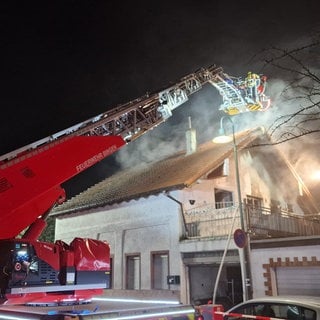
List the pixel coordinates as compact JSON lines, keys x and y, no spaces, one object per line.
{"x":282,"y":307}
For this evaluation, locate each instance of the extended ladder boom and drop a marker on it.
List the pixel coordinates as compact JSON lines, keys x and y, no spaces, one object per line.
{"x":132,"y":119}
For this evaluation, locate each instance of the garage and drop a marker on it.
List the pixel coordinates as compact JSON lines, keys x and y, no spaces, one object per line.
{"x":287,"y":266}
{"x":202,"y":281}
{"x":304,"y":280}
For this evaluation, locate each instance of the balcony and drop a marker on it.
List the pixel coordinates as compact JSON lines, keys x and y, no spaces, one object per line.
{"x":215,"y":220}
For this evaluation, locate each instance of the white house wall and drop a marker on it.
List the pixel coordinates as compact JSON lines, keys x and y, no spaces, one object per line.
{"x":142,"y":226}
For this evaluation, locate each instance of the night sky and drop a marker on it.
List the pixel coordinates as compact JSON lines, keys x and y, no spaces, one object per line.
{"x":66,"y":61}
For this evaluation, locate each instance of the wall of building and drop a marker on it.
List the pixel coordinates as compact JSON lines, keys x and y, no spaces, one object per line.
{"x":263,"y":179}
{"x":156,"y":224}
{"x":143,"y":226}
{"x":265,"y":261}
{"x":255,"y":180}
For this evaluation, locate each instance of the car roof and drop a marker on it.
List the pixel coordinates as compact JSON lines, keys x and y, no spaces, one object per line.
{"x":294,"y":299}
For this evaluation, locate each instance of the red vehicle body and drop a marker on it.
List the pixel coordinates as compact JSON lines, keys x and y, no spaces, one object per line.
{"x":37,"y":271}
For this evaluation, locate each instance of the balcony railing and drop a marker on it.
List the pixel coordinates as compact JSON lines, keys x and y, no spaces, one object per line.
{"x":215,"y":220}
{"x":263,"y":223}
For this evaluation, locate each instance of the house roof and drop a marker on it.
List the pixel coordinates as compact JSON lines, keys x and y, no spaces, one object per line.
{"x":172,"y":173}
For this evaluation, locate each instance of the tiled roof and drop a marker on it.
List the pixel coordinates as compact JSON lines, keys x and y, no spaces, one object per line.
{"x":175,"y":172}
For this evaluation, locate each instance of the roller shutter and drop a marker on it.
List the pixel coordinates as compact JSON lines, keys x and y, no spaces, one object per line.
{"x":298,"y":280}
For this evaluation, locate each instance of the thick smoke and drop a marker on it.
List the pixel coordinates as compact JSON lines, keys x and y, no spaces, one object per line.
{"x":203,"y":108}
{"x":169,"y":137}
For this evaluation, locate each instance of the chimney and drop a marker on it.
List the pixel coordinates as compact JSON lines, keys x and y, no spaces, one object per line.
{"x":191,"y":139}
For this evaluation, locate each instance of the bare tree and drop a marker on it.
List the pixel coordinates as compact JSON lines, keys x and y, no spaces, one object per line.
{"x":300,"y":95}
{"x":294,"y":118}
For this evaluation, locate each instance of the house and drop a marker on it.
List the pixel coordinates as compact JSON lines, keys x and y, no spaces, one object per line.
{"x":170,"y":223}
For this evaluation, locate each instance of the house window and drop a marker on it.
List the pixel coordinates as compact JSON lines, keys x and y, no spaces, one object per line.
{"x":275,"y":206}
{"x":133,"y":272}
{"x":223,"y":198}
{"x":159,"y":270}
{"x":254,"y":202}
{"x":254,"y":206}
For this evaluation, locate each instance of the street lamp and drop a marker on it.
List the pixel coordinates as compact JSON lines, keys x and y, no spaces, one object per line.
{"x":223,"y":138}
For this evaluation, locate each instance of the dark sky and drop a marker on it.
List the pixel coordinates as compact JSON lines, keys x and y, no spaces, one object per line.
{"x":66,"y":61}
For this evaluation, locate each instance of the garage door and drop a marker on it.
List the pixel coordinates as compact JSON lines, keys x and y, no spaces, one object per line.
{"x":298,"y":280}
{"x":202,"y":280}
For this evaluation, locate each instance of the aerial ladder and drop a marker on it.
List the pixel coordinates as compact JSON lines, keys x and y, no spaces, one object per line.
{"x":30,"y":186}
